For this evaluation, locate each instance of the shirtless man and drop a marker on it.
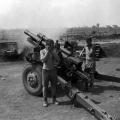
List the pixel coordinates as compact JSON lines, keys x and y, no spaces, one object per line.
{"x":89,"y":59}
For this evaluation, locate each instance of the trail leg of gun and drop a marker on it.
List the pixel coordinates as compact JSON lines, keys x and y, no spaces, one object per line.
{"x":84,"y":101}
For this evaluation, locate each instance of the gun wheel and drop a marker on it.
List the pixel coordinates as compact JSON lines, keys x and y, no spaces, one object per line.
{"x":32,"y":79}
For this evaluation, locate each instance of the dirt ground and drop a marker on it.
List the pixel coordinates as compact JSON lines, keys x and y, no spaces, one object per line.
{"x":17,"y":104}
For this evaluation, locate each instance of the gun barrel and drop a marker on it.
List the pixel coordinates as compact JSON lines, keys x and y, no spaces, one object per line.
{"x":35,"y":40}
{"x":33,"y":36}
{"x":41,"y":39}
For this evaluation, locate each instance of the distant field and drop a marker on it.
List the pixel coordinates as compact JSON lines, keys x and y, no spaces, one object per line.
{"x":111,"y":46}
{"x":112,"y":49}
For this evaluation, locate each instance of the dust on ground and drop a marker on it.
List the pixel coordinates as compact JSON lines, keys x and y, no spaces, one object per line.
{"x":17,"y":104}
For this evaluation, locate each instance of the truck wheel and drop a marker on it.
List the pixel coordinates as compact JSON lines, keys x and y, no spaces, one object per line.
{"x":32,"y":79}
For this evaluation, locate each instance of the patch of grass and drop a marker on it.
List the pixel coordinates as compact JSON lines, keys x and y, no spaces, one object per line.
{"x":112,"y":49}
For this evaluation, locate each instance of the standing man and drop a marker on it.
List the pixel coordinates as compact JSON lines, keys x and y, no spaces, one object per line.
{"x":89,"y":59}
{"x":57,"y":45}
{"x":58,"y":51}
{"x":49,"y":73}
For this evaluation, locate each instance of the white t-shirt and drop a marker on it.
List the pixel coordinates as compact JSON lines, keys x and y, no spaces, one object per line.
{"x":51,"y":61}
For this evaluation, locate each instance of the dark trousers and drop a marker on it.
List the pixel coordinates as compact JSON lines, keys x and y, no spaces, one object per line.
{"x":49,"y":75}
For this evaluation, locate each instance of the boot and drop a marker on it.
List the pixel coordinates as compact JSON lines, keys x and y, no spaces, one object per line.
{"x":54,"y":101}
{"x":45,"y":103}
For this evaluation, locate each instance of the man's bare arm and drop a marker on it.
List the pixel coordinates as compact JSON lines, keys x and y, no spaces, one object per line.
{"x":82,"y":51}
{"x":44,"y":56}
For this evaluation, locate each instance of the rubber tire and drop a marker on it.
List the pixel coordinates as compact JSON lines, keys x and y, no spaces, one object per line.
{"x":38,"y":70}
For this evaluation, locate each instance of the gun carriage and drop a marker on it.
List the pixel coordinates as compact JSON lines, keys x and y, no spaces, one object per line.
{"x":69,"y":73}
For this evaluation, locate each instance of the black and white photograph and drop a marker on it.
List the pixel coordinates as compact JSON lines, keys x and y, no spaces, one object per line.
{"x":59,"y":60}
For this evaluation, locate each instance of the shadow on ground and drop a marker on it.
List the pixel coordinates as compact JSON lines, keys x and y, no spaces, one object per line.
{"x":107,"y":78}
{"x":100,"y":89}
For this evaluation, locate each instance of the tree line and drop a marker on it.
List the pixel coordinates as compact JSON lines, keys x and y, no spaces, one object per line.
{"x":100,"y":32}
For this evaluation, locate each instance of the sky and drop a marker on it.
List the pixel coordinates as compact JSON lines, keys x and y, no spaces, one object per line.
{"x":58,"y":13}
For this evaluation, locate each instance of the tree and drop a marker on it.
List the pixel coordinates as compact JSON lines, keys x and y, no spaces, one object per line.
{"x":98,"y":25}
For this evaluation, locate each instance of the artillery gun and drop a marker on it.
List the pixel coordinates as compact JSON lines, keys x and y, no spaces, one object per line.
{"x":69,"y":73}
{"x":69,"y":68}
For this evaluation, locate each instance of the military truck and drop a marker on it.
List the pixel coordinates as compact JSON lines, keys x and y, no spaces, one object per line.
{"x":8,"y":49}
